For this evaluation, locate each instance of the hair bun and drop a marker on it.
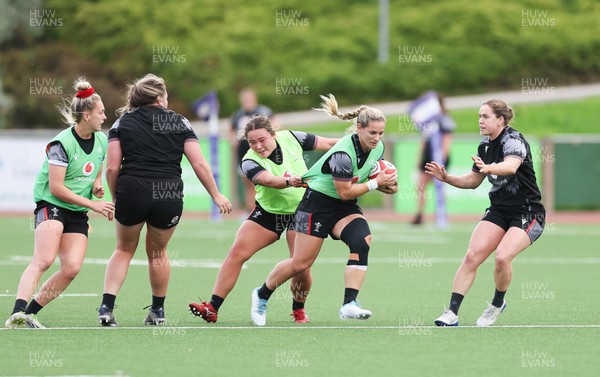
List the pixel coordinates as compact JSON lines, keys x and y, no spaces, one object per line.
{"x":82,"y":84}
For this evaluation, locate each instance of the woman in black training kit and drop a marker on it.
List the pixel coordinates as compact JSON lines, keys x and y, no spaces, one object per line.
{"x":143,"y":172}
{"x":515,"y":218}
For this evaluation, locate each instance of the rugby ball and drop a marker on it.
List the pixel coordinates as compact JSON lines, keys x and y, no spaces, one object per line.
{"x":381,"y":165}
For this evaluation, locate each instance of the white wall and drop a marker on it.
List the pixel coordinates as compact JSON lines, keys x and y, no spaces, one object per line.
{"x":20,"y":160}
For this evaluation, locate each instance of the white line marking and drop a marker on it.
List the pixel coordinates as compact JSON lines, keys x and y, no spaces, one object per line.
{"x":209,"y":327}
{"x":419,"y":261}
{"x":176,"y":262}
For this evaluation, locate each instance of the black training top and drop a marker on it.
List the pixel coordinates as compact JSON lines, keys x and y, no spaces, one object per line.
{"x":152,"y":140}
{"x":510,"y":190}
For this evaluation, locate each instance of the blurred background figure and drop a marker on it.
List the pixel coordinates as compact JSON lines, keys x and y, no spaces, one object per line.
{"x":249,"y":108}
{"x":444,"y":125}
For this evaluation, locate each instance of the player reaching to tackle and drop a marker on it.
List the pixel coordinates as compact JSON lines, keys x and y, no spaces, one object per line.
{"x":515,"y":218}
{"x":275,"y":164}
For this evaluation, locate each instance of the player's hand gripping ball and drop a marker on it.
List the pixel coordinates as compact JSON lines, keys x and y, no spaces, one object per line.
{"x":381,"y":165}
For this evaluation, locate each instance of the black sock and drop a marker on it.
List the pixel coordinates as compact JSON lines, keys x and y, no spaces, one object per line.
{"x":109,"y":300}
{"x":158,"y":302}
{"x":264,"y":292}
{"x":498,"y":298}
{"x":455,"y":301}
{"x":297,"y":305}
{"x":350,"y":295}
{"x":216,"y":302}
{"x":20,"y":306}
{"x":33,"y":307}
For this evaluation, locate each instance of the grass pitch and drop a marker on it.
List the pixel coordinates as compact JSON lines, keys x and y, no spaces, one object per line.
{"x":550,"y":327}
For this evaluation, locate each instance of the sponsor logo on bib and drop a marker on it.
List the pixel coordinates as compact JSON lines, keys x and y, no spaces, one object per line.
{"x":88,"y":168}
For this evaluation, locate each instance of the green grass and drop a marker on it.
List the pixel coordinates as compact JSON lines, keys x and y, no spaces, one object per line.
{"x":409,"y":281}
{"x":543,"y":119}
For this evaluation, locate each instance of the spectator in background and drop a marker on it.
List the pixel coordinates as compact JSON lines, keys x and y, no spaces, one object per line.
{"x":445,"y":125}
{"x":249,"y":108}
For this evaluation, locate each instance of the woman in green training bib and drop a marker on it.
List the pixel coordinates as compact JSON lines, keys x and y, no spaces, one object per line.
{"x":275,"y":164}
{"x":70,"y":175}
{"x":329,"y":208}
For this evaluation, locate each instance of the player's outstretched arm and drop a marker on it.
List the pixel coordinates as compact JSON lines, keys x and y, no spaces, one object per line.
{"x":470,"y":180}
{"x":268,"y":179}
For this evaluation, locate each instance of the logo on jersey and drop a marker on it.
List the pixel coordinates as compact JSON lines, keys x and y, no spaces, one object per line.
{"x":317,"y":226}
{"x":355,"y":179}
{"x":88,"y":168}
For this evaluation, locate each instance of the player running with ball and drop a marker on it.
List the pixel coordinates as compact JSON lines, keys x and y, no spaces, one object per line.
{"x":329,"y":208}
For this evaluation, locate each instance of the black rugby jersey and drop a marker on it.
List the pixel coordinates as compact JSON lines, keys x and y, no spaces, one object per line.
{"x":510,"y":190}
{"x":152,"y":140}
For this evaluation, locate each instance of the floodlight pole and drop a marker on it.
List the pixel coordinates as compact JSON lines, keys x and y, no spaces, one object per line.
{"x":384,"y":40}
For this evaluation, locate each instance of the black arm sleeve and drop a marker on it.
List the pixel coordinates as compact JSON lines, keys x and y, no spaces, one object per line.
{"x":307,"y":141}
{"x":57,"y":154}
{"x":251,"y":169}
{"x":340,"y":166}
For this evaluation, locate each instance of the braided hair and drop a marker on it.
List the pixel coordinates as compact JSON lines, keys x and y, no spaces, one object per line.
{"x":363,"y":114}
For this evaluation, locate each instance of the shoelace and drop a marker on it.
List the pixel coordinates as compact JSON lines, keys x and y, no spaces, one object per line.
{"x":262,"y":306}
{"x":114,"y":307}
{"x":205,"y":304}
{"x":298,"y":313}
{"x":448,"y":312}
{"x":33,"y":322}
{"x":207,"y":312}
{"x":152,"y":310}
{"x":490,"y":312}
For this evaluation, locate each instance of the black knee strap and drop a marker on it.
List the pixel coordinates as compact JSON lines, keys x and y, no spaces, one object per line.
{"x":355,"y":236}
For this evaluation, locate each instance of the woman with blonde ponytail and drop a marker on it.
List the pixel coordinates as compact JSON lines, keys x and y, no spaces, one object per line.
{"x":70,"y":175}
{"x":329,"y":207}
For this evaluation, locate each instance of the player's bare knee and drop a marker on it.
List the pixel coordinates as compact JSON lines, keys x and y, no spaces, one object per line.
{"x":502,"y":260}
{"x":41,"y":264}
{"x":238,"y":255}
{"x":70,"y":271}
{"x":301,"y":267}
{"x":472,"y":259}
